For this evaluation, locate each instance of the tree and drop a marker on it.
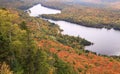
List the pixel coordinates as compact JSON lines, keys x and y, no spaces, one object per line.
{"x":5,"y":69}
{"x":23,"y":25}
{"x":41,"y":64}
{"x":63,"y":68}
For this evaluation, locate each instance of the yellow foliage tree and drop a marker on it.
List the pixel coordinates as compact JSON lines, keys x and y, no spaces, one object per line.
{"x":5,"y":69}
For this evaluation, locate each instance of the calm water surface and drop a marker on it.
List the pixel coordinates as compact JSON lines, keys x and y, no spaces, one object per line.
{"x":39,"y":9}
{"x":105,"y":41}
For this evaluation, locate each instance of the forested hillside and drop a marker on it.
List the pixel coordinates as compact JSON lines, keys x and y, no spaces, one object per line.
{"x":34,"y":46}
{"x":90,"y":17}
{"x":31,"y":45}
{"x":19,"y":45}
{"x":20,"y":4}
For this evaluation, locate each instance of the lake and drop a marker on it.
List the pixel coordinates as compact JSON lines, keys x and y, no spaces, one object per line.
{"x":106,"y":42}
{"x":39,"y":10}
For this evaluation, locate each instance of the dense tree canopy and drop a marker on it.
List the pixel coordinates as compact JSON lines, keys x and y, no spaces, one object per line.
{"x":31,"y":45}
{"x":90,"y":17}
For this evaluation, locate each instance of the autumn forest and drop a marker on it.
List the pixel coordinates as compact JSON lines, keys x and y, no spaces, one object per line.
{"x":32,"y":45}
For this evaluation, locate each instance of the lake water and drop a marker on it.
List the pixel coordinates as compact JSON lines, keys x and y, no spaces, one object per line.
{"x":39,"y":9}
{"x":106,"y":42}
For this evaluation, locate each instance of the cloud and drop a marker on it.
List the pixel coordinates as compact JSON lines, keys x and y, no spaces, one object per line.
{"x":115,"y":5}
{"x":100,"y":1}
{"x":92,"y":1}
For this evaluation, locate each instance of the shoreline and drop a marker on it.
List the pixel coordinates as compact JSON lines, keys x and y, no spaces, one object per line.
{"x":99,"y":26}
{"x":51,"y":7}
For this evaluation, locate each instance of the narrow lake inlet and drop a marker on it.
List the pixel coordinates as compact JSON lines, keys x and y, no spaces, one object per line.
{"x":106,"y":42}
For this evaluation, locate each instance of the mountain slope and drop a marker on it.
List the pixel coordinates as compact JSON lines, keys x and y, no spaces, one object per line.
{"x":31,"y":45}
{"x":32,"y":42}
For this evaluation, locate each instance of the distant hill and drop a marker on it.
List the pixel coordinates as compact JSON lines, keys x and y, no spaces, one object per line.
{"x":93,"y":3}
{"x":22,"y":4}
{"x":30,"y":45}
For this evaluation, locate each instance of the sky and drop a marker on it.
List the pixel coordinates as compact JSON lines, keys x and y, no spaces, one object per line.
{"x":90,"y":1}
{"x":99,"y":1}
